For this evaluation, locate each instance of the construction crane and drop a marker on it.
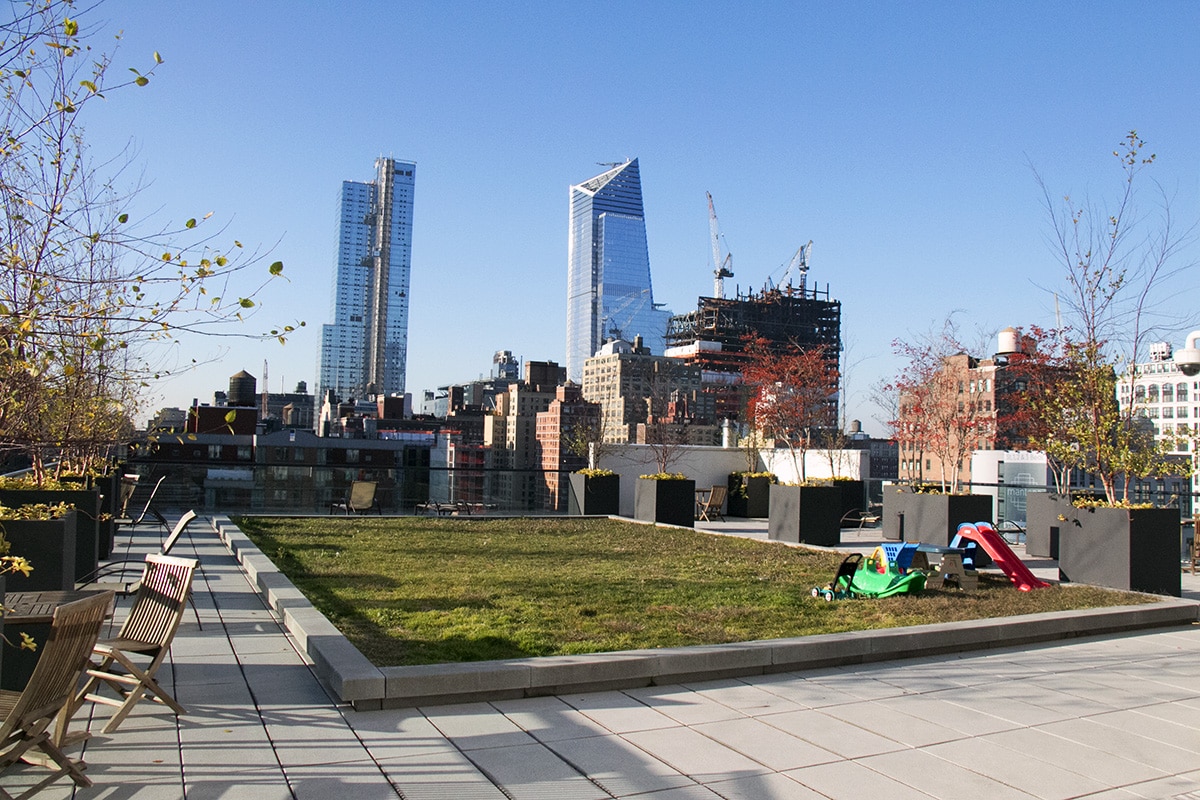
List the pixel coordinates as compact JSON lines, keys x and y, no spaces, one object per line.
{"x":799,"y":263}
{"x":723,"y":266}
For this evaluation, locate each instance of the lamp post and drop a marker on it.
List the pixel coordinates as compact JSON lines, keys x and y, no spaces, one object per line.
{"x":1187,"y":358}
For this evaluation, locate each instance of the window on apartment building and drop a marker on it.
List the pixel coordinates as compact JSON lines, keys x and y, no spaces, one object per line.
{"x":1152,"y":393}
{"x":214,"y":451}
{"x":1181,"y":412}
{"x":1139,"y":393}
{"x":1168,"y":413}
{"x":1181,"y":392}
{"x":1168,"y":393}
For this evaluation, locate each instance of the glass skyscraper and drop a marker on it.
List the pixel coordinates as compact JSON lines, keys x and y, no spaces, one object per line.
{"x":364,"y":351}
{"x":608,"y":268}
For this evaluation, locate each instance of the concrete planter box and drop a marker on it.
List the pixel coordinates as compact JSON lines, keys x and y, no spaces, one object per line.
{"x":748,"y":497}
{"x":930,"y":518}
{"x":599,"y":495}
{"x":49,"y":545}
{"x":806,"y":514}
{"x":853,"y":499}
{"x":87,"y":522}
{"x":1043,"y":528}
{"x":671,"y":502}
{"x":1136,"y":549}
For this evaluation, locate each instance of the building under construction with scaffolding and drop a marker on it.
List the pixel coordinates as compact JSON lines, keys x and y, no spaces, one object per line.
{"x":714,"y":336}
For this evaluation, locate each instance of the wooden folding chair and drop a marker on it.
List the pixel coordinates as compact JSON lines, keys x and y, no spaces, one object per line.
{"x":28,"y":715}
{"x":711,"y":507}
{"x":148,"y":631}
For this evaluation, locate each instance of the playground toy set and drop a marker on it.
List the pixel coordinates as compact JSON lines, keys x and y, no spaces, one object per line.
{"x":895,"y":568}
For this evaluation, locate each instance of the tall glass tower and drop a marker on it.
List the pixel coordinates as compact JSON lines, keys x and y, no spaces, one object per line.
{"x":608,"y":268}
{"x":364,"y":351}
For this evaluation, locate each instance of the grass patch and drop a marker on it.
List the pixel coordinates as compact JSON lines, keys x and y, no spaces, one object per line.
{"x":413,"y":590}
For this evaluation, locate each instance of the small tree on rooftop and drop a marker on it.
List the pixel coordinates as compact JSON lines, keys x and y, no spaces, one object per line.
{"x":934,"y":412}
{"x":85,"y":290}
{"x":795,"y":394}
{"x":1118,"y":265}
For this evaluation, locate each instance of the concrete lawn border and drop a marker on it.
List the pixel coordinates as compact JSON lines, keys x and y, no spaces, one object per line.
{"x":354,"y":680}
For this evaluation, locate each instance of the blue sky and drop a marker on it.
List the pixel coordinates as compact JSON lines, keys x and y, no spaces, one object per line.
{"x":898,"y":137}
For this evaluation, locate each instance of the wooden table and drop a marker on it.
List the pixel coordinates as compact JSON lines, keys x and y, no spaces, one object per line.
{"x":37,"y":608}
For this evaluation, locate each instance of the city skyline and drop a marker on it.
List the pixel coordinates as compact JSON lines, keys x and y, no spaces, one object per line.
{"x":610,"y":291}
{"x":901,"y":140}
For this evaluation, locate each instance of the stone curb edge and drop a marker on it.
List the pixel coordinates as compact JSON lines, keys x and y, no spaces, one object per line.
{"x":355,"y":680}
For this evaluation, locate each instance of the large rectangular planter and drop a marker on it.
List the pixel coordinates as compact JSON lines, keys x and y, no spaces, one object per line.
{"x":671,"y":502}
{"x":87,"y":522}
{"x":49,"y":546}
{"x":806,"y":514}
{"x":1135,"y":549}
{"x":930,"y":518}
{"x":853,"y":499}
{"x":748,"y":496}
{"x":1043,"y":528}
{"x":598,"y":494}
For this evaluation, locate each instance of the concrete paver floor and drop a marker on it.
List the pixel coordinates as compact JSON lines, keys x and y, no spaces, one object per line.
{"x":1107,"y":717}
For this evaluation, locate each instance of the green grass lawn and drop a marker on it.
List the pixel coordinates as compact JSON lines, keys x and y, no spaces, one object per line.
{"x":421,"y":590}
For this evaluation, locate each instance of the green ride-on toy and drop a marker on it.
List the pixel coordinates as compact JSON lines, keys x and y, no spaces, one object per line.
{"x":872,"y":577}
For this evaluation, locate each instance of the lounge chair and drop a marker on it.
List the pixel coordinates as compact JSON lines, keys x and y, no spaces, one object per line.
{"x":48,"y":696}
{"x":147,"y":633}
{"x":711,"y":507}
{"x":359,"y":500}
{"x":149,"y":508}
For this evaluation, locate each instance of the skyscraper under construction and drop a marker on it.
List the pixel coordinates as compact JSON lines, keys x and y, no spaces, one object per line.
{"x":714,"y":336}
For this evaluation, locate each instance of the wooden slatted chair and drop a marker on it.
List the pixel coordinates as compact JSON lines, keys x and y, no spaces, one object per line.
{"x":28,"y":714}
{"x":712,"y":504}
{"x":147,"y":633}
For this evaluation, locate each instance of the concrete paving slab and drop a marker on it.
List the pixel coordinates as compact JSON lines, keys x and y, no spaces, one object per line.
{"x":618,"y":766}
{"x":772,"y":786}
{"x":744,"y":698}
{"x":940,"y":778}
{"x":682,"y":705}
{"x":473,"y":726}
{"x":832,"y":734}
{"x":850,"y":780}
{"x":534,"y":772}
{"x":618,"y":712}
{"x":1164,"y":757}
{"x":695,"y":755}
{"x":549,"y":719}
{"x":1108,"y":768}
{"x":1020,"y":771}
{"x":448,"y":776}
{"x":765,"y":744}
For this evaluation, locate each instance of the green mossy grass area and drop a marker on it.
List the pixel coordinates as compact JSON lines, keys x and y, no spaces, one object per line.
{"x":418,"y":590}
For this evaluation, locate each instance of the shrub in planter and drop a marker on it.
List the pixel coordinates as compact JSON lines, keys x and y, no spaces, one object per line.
{"x":749,"y":494}
{"x":928,"y":517}
{"x":45,"y":537}
{"x":594,"y":491}
{"x":669,"y":498}
{"x":87,"y":521}
{"x":805,"y":514}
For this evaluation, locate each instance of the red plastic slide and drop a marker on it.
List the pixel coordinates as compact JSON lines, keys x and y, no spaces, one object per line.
{"x":984,"y":535}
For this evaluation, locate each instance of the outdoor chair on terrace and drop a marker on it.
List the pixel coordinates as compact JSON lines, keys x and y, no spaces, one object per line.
{"x":711,"y":507}
{"x":147,"y":633}
{"x":359,"y":500}
{"x":129,"y":571}
{"x":27,"y":715}
{"x":149,"y":508}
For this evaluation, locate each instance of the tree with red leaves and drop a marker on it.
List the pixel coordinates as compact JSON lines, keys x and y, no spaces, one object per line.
{"x":795,"y":393}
